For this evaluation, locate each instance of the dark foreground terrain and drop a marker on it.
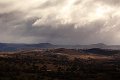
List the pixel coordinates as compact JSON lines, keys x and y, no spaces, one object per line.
{"x":60,"y":64}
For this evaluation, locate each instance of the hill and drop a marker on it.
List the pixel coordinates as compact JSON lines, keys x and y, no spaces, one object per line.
{"x":15,"y":46}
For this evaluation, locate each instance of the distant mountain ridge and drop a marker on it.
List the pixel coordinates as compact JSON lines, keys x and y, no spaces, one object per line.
{"x":16,"y":46}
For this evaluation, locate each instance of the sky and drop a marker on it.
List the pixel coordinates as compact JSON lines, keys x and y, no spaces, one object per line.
{"x":60,"y":21}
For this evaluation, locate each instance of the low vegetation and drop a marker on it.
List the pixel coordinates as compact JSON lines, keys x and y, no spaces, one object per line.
{"x":59,"y":64}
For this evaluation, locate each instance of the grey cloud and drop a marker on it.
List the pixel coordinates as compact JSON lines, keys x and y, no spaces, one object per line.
{"x":114,"y":3}
{"x":35,"y":25}
{"x":50,"y":3}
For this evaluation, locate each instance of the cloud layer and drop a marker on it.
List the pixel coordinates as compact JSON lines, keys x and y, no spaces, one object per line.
{"x":60,"y":21}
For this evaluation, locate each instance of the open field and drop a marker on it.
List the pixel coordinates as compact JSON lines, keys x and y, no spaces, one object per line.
{"x":60,"y":64}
